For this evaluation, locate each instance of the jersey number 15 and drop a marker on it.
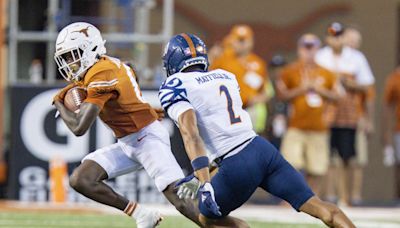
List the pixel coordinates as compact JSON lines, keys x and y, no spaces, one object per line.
{"x":232,"y":116}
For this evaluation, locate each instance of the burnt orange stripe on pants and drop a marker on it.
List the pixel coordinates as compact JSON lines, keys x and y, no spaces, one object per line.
{"x":190,"y":43}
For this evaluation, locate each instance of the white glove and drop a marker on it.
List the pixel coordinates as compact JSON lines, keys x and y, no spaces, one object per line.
{"x":188,"y":187}
{"x":389,"y":156}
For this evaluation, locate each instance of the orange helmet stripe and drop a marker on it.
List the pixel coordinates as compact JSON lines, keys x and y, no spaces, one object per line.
{"x":190,"y":43}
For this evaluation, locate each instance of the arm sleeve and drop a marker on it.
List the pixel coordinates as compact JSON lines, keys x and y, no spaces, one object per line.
{"x":173,"y":98}
{"x":263,"y":69}
{"x":101,"y":88}
{"x":389,"y":91}
{"x":177,"y":109}
{"x":331,"y":80}
{"x":283,"y":76}
{"x":365,"y":76}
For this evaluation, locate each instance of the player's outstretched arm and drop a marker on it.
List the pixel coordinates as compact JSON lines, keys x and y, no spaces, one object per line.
{"x":79,"y":122}
{"x":193,"y":143}
{"x":197,"y":154}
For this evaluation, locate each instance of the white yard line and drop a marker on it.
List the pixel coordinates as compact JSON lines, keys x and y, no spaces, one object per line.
{"x":363,"y":217}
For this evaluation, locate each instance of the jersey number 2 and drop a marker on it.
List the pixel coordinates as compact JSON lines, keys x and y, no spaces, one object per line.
{"x":232,"y":117}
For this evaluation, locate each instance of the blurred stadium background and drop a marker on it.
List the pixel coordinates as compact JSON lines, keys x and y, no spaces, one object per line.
{"x":37,"y":151}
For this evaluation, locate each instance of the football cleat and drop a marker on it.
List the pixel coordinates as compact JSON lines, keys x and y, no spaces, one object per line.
{"x":146,"y":218}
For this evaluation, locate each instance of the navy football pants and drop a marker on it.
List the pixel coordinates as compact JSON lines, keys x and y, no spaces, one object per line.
{"x":259,"y":164}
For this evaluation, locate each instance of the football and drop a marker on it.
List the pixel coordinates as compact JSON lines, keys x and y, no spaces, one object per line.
{"x":74,"y":98}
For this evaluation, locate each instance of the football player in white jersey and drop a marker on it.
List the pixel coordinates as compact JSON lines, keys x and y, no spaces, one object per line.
{"x":208,"y":111}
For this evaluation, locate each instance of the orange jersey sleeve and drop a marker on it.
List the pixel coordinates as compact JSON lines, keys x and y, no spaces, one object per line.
{"x":112,"y":86}
{"x":390,"y":89}
{"x":392,"y":94}
{"x":284,"y":76}
{"x":330,"y":79}
{"x":100,"y":89}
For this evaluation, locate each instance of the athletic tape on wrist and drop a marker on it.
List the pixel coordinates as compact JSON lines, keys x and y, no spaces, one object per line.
{"x":200,"y":162}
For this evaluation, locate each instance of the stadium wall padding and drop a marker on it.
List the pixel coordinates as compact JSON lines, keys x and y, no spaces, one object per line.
{"x":37,"y":137}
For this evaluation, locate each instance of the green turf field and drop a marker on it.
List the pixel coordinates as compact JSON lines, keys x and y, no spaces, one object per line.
{"x":51,"y":219}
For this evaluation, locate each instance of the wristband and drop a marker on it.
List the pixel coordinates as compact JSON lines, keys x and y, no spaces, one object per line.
{"x":200,"y":162}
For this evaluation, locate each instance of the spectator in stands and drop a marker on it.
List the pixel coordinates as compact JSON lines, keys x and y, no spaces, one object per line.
{"x":36,"y":72}
{"x":250,"y":71}
{"x":277,"y":109}
{"x":365,"y":127}
{"x":307,"y":87}
{"x":391,"y":126}
{"x":215,"y":52}
{"x":354,"y":74}
{"x":221,"y":50}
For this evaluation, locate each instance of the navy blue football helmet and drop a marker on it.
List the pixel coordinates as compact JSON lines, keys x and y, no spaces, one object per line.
{"x":182,"y":51}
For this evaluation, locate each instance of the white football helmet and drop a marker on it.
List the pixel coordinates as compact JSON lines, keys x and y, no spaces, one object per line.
{"x":78,"y":47}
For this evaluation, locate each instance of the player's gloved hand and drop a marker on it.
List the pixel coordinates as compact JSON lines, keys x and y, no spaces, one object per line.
{"x":61,"y":94}
{"x":207,"y":198}
{"x":188,"y":187}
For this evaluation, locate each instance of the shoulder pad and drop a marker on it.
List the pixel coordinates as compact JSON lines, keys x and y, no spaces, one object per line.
{"x":104,"y":64}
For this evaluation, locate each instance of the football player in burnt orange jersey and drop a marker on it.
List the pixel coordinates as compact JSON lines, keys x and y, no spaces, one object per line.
{"x":114,"y":96}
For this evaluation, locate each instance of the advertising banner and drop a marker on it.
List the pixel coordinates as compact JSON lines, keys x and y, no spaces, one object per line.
{"x":38,"y":137}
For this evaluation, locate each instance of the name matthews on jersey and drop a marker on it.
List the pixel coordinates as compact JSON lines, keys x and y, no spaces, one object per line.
{"x":210,"y":77}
